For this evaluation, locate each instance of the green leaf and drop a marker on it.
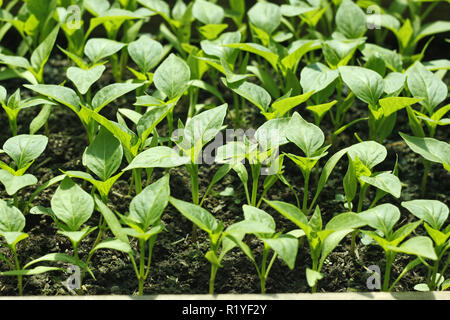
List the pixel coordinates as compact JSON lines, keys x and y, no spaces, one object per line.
{"x":147,"y":207}
{"x":252,"y":92}
{"x":145,"y":52}
{"x":432,"y":211}
{"x":30,"y":272}
{"x":114,"y":244}
{"x":172,"y":76}
{"x":282,"y":106}
{"x":385,"y":181}
{"x":351,"y":19}
{"x":272,"y":134}
{"x":15,"y":61}
{"x":366,"y":84}
{"x":393,"y":85}
{"x":25,"y":148}
{"x":312,"y":277}
{"x":43,"y":51}
{"x":110,"y":93}
{"x":41,"y":119}
{"x":207,"y":12}
{"x":432,"y":28}
{"x":158,"y":157}
{"x":201,"y":129}
{"x":350,"y":182}
{"x":212,"y":31}
{"x":13,"y":238}
{"x":370,"y":153}
{"x":290,"y":61}
{"x":345,"y":221}
{"x":292,"y":213}
{"x":71,"y":204}
{"x":11,"y":219}
{"x":429,"y":148}
{"x":331,"y":242}
{"x":391,"y":105}
{"x":259,"y":50}
{"x":382,"y":217}
{"x":218,"y":49}
{"x":148,"y":122}
{"x":253,"y":214}
{"x":77,"y":236}
{"x":112,"y":221}
{"x":15,"y":183}
{"x":63,"y":95}
{"x":104,"y":154}
{"x":326,"y":171}
{"x":84,"y":79}
{"x":317,"y":77}
{"x":420,"y":246}
{"x":307,"y":136}
{"x":97,"y":49}
{"x":425,"y":85}
{"x":286,"y":246}
{"x":265,"y":16}
{"x":199,"y":216}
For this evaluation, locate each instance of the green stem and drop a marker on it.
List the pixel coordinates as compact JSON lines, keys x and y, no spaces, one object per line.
{"x":137,"y":180}
{"x":305,"y":192}
{"x":263,"y":269}
{"x":19,"y":277}
{"x":256,"y":171}
{"x":387,"y":273}
{"x":212,"y":278}
{"x":423,"y":185}
{"x":141,"y":277}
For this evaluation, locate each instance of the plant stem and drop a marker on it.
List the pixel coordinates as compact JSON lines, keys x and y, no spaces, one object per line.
{"x":137,"y":180}
{"x":423,"y":185}
{"x":141,"y":277}
{"x":305,"y":192}
{"x":193,"y":170}
{"x":19,"y":277}
{"x":256,"y":171}
{"x":212,"y":278}
{"x":387,"y":273}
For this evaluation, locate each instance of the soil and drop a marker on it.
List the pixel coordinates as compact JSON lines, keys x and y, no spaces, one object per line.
{"x":178,"y":264}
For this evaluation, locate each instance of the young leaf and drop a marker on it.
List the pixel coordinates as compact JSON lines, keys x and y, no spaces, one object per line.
{"x":312,"y":277}
{"x":252,"y":92}
{"x":172,"y":76}
{"x":366,"y":84}
{"x":146,"y":52}
{"x":111,"y":92}
{"x":429,"y":148}
{"x":422,"y":83}
{"x":97,"y":49}
{"x":265,"y":16}
{"x":433,"y":212}
{"x":370,"y":153}
{"x":146,"y":208}
{"x":307,"y":136}
{"x":11,"y":219}
{"x":199,"y":216}
{"x":382,"y":217}
{"x":71,"y":204}
{"x":158,"y":157}
{"x":207,"y":12}
{"x":385,"y":181}
{"x":351,"y":20}
{"x":25,"y":148}
{"x":286,"y":246}
{"x":84,"y":79}
{"x":420,"y":246}
{"x":104,"y":154}
{"x":14,"y":183}
{"x":63,"y":95}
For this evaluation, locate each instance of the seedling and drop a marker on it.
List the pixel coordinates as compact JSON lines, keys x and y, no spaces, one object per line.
{"x":383,"y":218}
{"x":260,"y":224}
{"x":322,"y":241}
{"x":23,"y":149}
{"x":434,"y":215}
{"x":12,"y":222}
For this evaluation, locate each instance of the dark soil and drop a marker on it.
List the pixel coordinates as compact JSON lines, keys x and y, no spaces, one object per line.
{"x":178,"y":263}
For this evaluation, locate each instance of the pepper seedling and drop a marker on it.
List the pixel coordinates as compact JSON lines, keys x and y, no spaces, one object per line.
{"x":434,"y":214}
{"x":12,"y":223}
{"x":322,"y":240}
{"x":23,"y":149}
{"x":383,"y":218}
